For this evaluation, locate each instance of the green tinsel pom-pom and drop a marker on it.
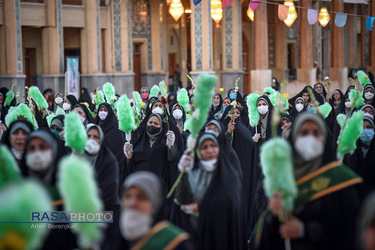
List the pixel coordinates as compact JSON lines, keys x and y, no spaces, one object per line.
{"x":59,"y":111}
{"x":125,"y":116}
{"x":75,"y":133}
{"x":79,"y":189}
{"x":341,"y":118}
{"x":326,"y":108}
{"x":363,"y":79}
{"x":9,"y":171}
{"x":154,"y":91}
{"x":9,"y":98}
{"x":359,"y":102}
{"x":17,"y":202}
{"x":163,"y":88}
{"x":137,"y":99}
{"x":183,"y":98}
{"x":349,"y":134}
{"x":22,"y":111}
{"x":99,"y":98}
{"x":253,"y":109}
{"x":38,"y":97}
{"x":277,"y":167}
{"x":50,"y":118}
{"x":109,"y":92}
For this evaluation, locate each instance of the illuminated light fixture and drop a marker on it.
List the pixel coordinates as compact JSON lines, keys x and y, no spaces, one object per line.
{"x":292,"y":14}
{"x":176,"y":9}
{"x":250,"y":14}
{"x":187,"y":11}
{"x":323,"y":17}
{"x":216,"y":10}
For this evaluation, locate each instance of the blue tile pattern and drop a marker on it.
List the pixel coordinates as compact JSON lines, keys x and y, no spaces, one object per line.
{"x":198,"y":35}
{"x":228,"y":37}
{"x":117,"y":34}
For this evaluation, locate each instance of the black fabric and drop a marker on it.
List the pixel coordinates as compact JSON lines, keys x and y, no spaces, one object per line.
{"x":324,"y":92}
{"x":217,"y":108}
{"x":85,"y":97}
{"x":294,"y":112}
{"x":364,"y":167}
{"x":72,"y":99}
{"x":332,"y":101}
{"x":89,"y":117}
{"x":114,"y":138}
{"x":150,"y":102}
{"x":317,"y":96}
{"x":283,"y":116}
{"x":246,"y":150}
{"x":257,"y":129}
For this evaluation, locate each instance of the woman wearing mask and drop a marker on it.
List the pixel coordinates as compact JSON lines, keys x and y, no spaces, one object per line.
{"x":217,"y":103}
{"x":369,"y":110}
{"x":59,"y":101}
{"x":107,"y":177}
{"x":141,"y":223}
{"x":84,"y":114}
{"x":209,"y":198}
{"x":262,"y":131}
{"x":368,"y":94}
{"x":325,"y":209}
{"x":337,"y":99}
{"x":114,"y":138}
{"x":362,"y":161}
{"x":299,"y":106}
{"x":179,"y":117}
{"x":69,"y":102}
{"x":15,"y":138}
{"x":144,"y":94}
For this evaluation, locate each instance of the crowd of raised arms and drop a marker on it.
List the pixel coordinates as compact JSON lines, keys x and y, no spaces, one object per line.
{"x":195,"y":169}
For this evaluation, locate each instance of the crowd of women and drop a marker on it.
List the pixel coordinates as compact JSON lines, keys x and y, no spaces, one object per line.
{"x":220,"y":201}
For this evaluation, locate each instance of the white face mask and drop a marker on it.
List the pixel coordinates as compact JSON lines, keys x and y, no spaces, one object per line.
{"x":83,"y":119}
{"x":369,"y":115}
{"x":66,"y":106}
{"x":299,"y":107}
{"x":58,"y":100}
{"x":92,"y":147}
{"x":157,"y":111}
{"x":17,"y":153}
{"x":39,"y":160}
{"x":133,"y":224}
{"x":309,"y":147}
{"x":348,"y":104}
{"x":263,"y":109}
{"x":210,"y":165}
{"x":177,"y":114}
{"x":102,"y":115}
{"x":369,"y":96}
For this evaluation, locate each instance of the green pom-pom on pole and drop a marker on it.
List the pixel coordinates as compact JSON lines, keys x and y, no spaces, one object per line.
{"x":17,"y":202}
{"x":49,"y":119}
{"x":38,"y":97}
{"x":163,"y":88}
{"x":356,"y":98}
{"x":253,"y":110}
{"x":99,"y":98}
{"x":137,"y":99}
{"x":59,"y":111}
{"x":125,"y":116}
{"x":325,"y":109}
{"x":363,"y":79}
{"x":154,"y":91}
{"x":21,"y":112}
{"x":75,"y":133}
{"x":109,"y":92}
{"x":9,"y":98}
{"x":277,"y":167}
{"x":78,"y":187}
{"x":349,"y":134}
{"x":183,"y":98}
{"x":9,"y":171}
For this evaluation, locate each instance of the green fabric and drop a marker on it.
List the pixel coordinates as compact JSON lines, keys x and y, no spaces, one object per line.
{"x":162,"y":238}
{"x":323,"y":181}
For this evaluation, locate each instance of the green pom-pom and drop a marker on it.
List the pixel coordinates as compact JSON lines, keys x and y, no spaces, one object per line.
{"x":99,"y":98}
{"x":163,"y":88}
{"x":137,"y":114}
{"x":9,"y":171}
{"x":277,"y":167}
{"x":349,"y":134}
{"x":59,"y":111}
{"x":325,"y":109}
{"x":154,"y":91}
{"x":9,"y":98}
{"x":359,"y":102}
{"x":341,"y":119}
{"x":21,"y":112}
{"x":183,"y":98}
{"x":137,"y":99}
{"x":17,"y":202}
{"x":38,"y":97}
{"x":109,"y":92}
{"x":125,"y":116}
{"x":50,"y":118}
{"x":75,"y":133}
{"x":202,"y":101}
{"x":269,"y":90}
{"x":253,"y":109}
{"x":78,"y":187}
{"x":363,"y":79}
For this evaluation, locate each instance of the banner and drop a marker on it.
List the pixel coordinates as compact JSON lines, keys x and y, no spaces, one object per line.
{"x":72,"y":77}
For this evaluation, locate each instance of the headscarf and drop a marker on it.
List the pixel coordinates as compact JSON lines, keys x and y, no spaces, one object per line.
{"x":89,"y":118}
{"x":366,"y":218}
{"x":85,"y":97}
{"x":155,"y":136}
{"x":58,"y":121}
{"x":56,"y":104}
{"x":180,"y":122}
{"x":323,"y":94}
{"x":72,"y":100}
{"x":217,"y":108}
{"x":92,"y":158}
{"x":265,"y":120}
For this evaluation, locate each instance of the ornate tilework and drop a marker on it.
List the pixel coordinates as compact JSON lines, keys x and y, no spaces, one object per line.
{"x":239,"y":32}
{"x":98,"y":35}
{"x":117,"y":34}
{"x":210,"y":35}
{"x":198,"y":35}
{"x":60,"y":35}
{"x":228,"y":37}
{"x":271,"y":45}
{"x":18,"y":36}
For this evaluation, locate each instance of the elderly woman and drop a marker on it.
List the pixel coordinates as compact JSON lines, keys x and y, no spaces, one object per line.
{"x":210,"y":198}
{"x":15,"y":137}
{"x":140,"y":223}
{"x":326,"y":206}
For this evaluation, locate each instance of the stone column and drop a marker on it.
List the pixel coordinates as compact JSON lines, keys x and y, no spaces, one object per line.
{"x":183,"y":49}
{"x":338,"y":71}
{"x":372,"y":40}
{"x":261,"y":75}
{"x":53,"y":55}
{"x":201,"y":39}
{"x":232,"y":46}
{"x":306,"y":73}
{"x":280,"y":71}
{"x":11,"y":66}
